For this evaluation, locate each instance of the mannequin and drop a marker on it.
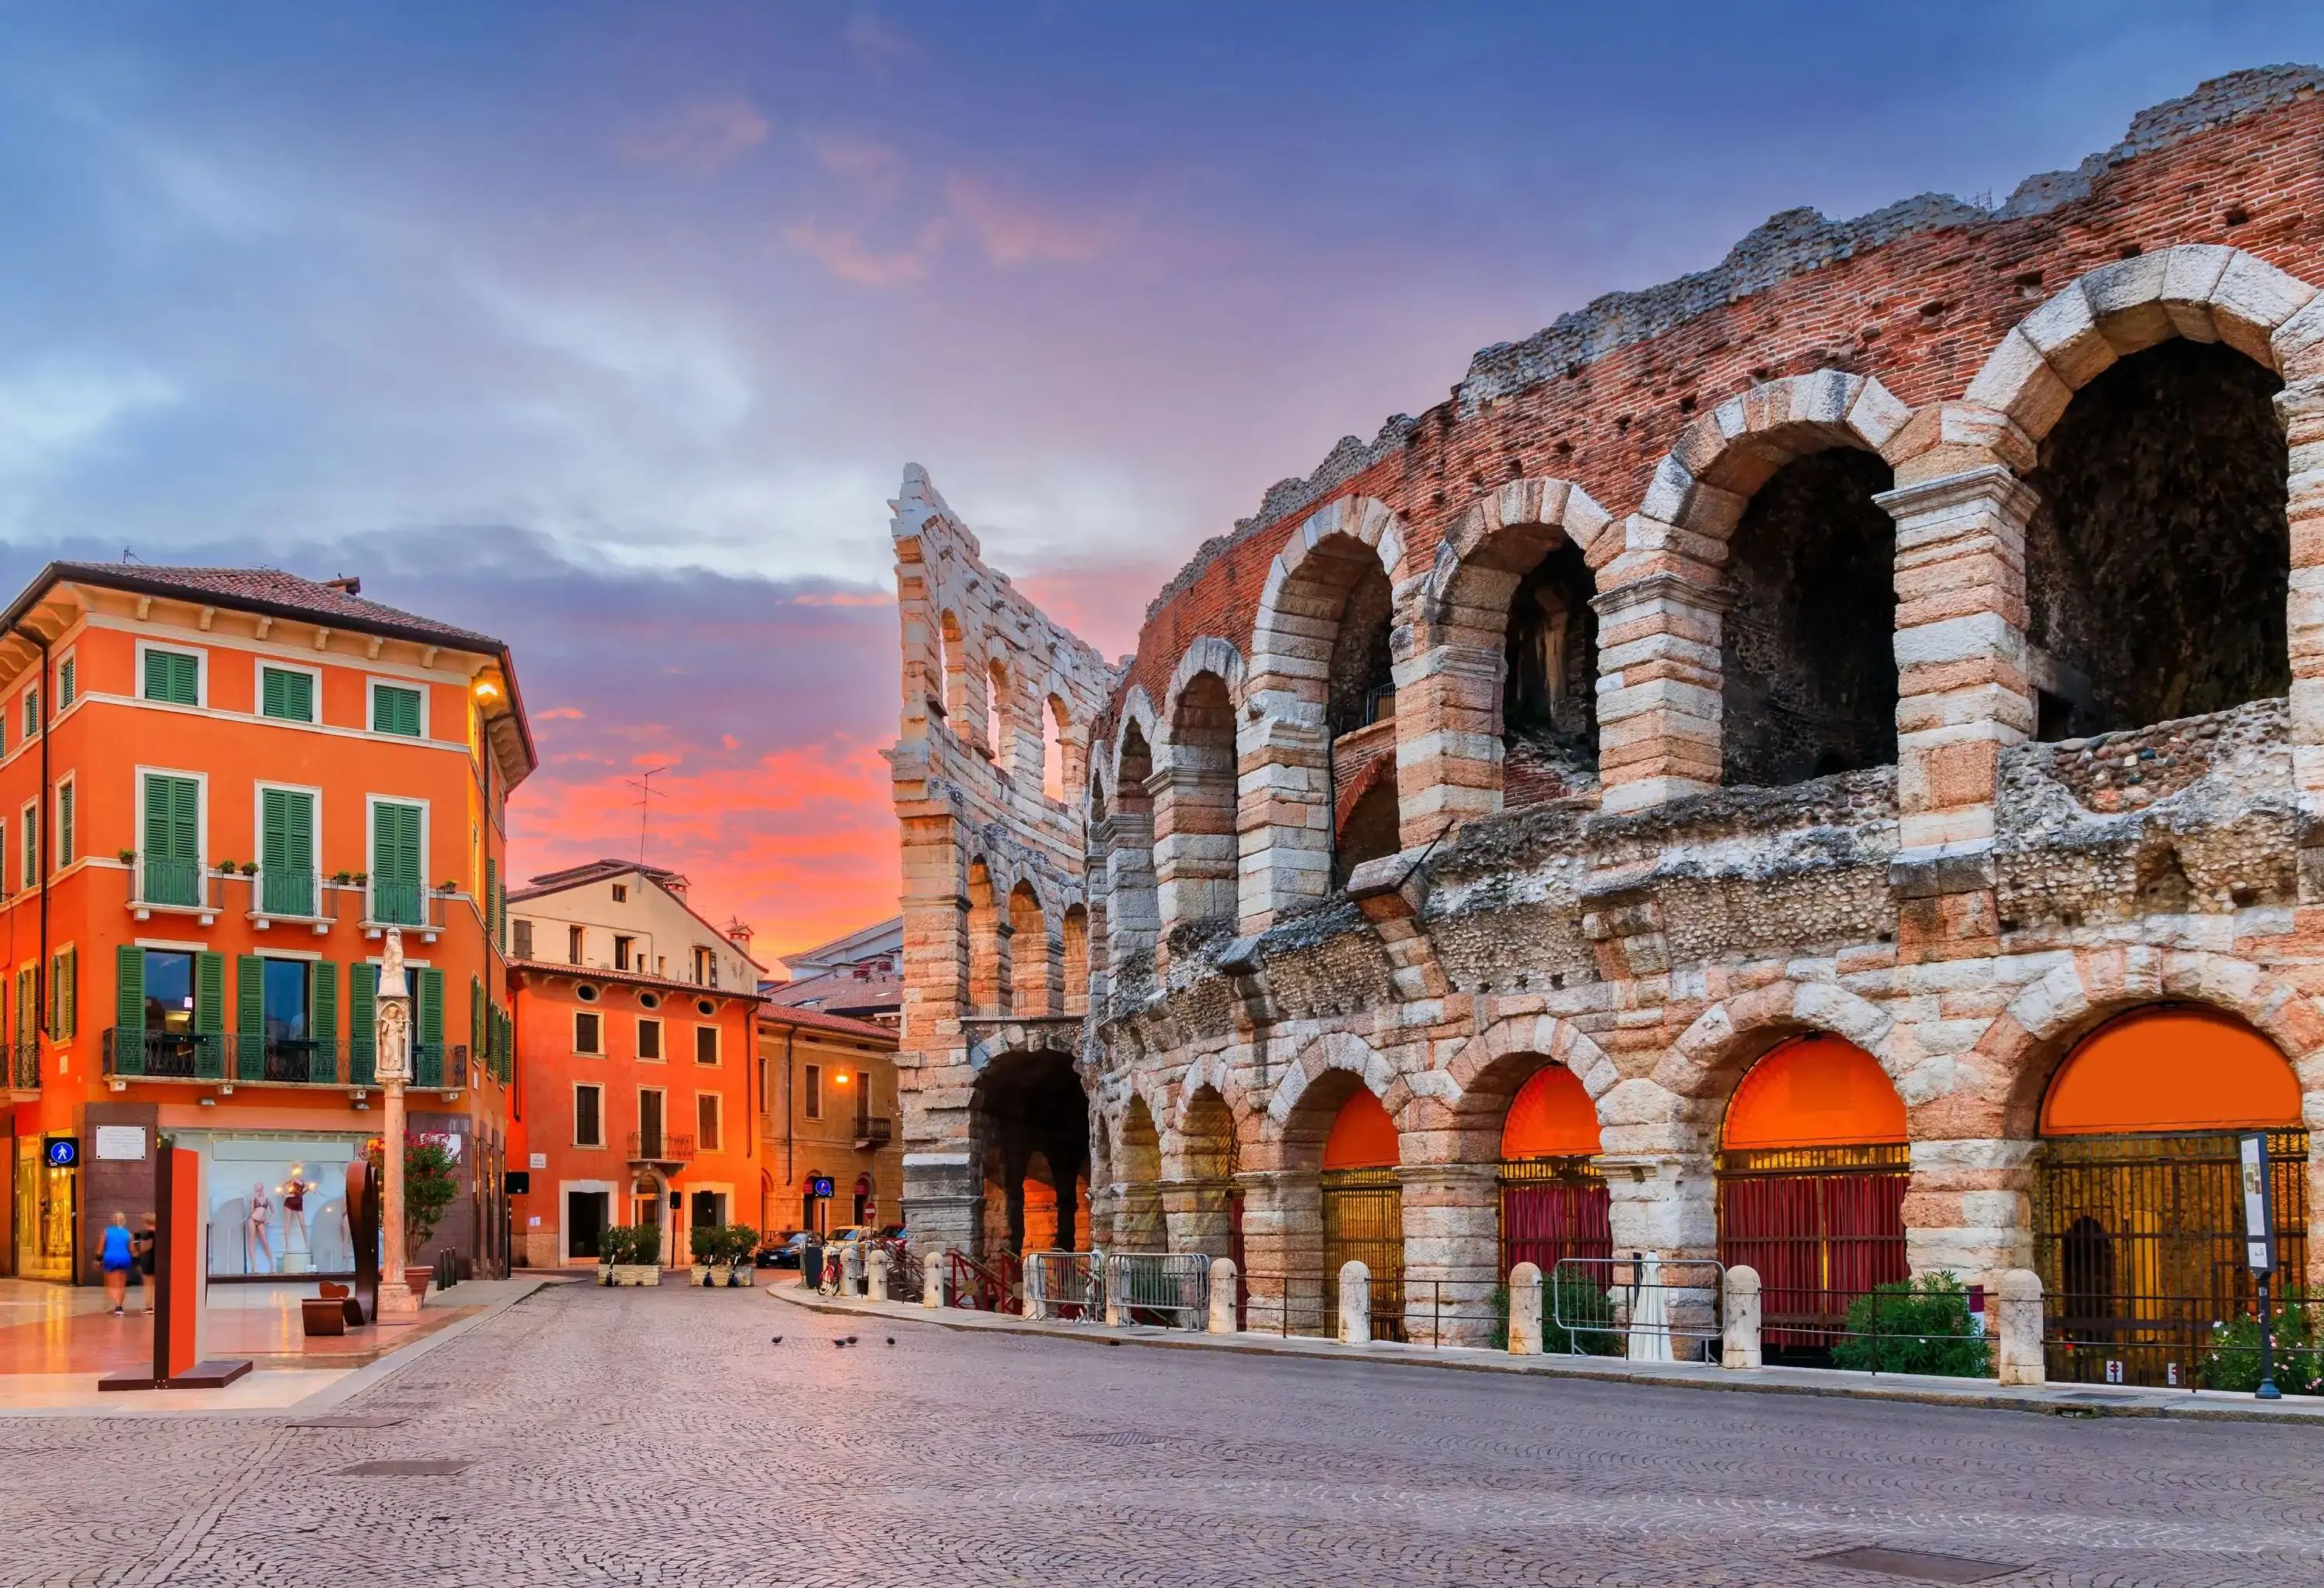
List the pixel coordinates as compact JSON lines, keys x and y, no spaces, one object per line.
{"x":260,"y":1208}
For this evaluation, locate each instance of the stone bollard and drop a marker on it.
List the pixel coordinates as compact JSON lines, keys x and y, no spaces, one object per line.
{"x":851,"y":1270}
{"x":875,"y":1275}
{"x":1355,"y":1304}
{"x":1740,"y":1348}
{"x":1223,"y":1280}
{"x":1525,"y":1310}
{"x":2018,"y":1343}
{"x":932,"y":1268}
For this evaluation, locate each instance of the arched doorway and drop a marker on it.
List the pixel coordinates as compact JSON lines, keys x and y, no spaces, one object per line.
{"x":1553,"y":1202}
{"x":2137,"y":1210}
{"x":1028,"y":1106}
{"x":1363,"y":1211}
{"x":1811,"y":1172}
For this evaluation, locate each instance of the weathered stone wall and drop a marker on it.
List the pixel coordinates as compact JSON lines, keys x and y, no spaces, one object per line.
{"x":1965,"y":900}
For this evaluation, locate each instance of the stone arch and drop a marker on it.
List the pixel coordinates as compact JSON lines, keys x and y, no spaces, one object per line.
{"x":1194,"y":848}
{"x":1454,"y":725}
{"x":1665,"y":641}
{"x":1026,"y":1099}
{"x":1345,"y":550}
{"x":1700,"y":1070}
{"x":1136,"y":717}
{"x":2020,"y":1050}
{"x":1317,"y":1081}
{"x":1485,"y":1071}
{"x":1133,"y":914}
{"x":1138,"y":1223}
{"x":2158,"y":553}
{"x":986,"y":888}
{"x":1074,"y":941}
{"x":1033,"y":954}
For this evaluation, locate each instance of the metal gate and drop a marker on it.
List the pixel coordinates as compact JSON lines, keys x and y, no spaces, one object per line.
{"x":1363,"y":1221}
{"x":2139,"y":1243}
{"x":1552,"y":1209}
{"x":1822,"y":1225}
{"x":1166,"y":1289}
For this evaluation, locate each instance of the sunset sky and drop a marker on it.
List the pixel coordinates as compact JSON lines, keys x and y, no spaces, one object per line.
{"x":609,"y":329}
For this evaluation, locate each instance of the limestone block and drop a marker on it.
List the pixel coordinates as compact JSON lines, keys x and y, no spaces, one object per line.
{"x":2125,"y":299}
{"x":2297,"y":346}
{"x":2251,"y":299}
{"x":2066,"y":331}
{"x":2018,"y":1328}
{"x":1525,"y":1310}
{"x":1355,"y":1304}
{"x":2189,"y":273}
{"x":1739,"y":1327}
{"x":1223,"y":1282}
{"x":2018,"y":381}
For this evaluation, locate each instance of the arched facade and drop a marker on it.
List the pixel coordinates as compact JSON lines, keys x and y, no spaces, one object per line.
{"x":1744,"y":837}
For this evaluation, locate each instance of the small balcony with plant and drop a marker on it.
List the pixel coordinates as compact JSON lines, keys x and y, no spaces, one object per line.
{"x":288,"y":897}
{"x":410,"y":906}
{"x":170,"y":885}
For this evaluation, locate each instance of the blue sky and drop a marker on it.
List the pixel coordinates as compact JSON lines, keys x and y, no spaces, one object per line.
{"x":610,"y":327}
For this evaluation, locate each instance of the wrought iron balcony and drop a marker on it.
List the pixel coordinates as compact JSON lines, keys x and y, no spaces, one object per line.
{"x":414,"y":907}
{"x":27,"y":1075}
{"x":660,"y":1147}
{"x":134,"y":1054}
{"x":871,"y":1130}
{"x":171,"y":884}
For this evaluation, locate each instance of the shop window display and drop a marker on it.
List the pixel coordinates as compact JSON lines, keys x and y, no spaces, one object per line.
{"x":279,"y":1207}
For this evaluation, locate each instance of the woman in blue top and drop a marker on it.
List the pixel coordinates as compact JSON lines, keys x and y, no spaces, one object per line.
{"x":113,"y":1257}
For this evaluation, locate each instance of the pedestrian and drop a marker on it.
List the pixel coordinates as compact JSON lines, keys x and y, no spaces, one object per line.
{"x":144,"y":1244}
{"x":113,"y":1258}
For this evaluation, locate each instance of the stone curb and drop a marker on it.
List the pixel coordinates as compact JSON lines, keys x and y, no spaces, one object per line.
{"x":2060,"y":1401}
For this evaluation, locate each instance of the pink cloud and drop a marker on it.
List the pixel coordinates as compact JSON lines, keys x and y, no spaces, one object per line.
{"x":696,"y":139}
{"x":875,"y":169}
{"x":843,"y":252}
{"x":1013,"y":230}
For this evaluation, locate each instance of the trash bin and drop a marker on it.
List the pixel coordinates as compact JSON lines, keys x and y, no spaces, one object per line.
{"x":811,"y":1265}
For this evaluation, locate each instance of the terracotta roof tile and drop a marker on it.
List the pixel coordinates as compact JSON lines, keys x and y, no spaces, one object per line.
{"x":273,"y":587}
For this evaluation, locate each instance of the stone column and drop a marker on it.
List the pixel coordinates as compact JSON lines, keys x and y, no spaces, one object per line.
{"x":1448,"y":732}
{"x":1969,"y":1208}
{"x":1282,"y":812}
{"x":1739,"y":1336}
{"x":1451,"y":1249}
{"x":1525,"y":1310}
{"x":2300,"y":408}
{"x":944,"y":1201}
{"x":393,"y":1068}
{"x":1963,"y":692}
{"x":1283,"y":1242}
{"x":1667,"y":1202}
{"x":1658,"y":672}
{"x":1224,"y":1281}
{"x":2018,"y":1329}
{"x":1194,"y":1213}
{"x":1138,"y":1217}
{"x":1355,"y":1304}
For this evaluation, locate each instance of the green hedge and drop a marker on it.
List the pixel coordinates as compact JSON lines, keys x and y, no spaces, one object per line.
{"x":1915,"y":1326}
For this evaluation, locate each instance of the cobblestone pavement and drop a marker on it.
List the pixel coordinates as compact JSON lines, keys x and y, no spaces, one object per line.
{"x":658,"y":1436}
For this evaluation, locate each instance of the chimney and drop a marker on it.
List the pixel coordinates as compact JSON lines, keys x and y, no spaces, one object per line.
{"x":350,"y":583}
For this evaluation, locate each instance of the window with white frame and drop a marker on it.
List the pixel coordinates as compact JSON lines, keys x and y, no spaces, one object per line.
{"x":68,"y":836}
{"x":29,"y":818}
{"x":172,"y":677}
{"x":588,"y":1031}
{"x":287,"y":693}
{"x":32,"y":711}
{"x":398,"y":708}
{"x":67,"y":682}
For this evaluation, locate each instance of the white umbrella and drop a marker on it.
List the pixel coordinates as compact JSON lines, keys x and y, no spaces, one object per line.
{"x":1650,"y":1338}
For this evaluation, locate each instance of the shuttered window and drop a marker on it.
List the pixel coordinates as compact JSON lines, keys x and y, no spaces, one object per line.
{"x":68,"y":839}
{"x":524,"y":940}
{"x":64,"y":994}
{"x":68,"y":683}
{"x":286,"y":693}
{"x":362,"y":1022}
{"x":648,"y":1038}
{"x":586,"y":1033}
{"x":286,"y":851}
{"x":31,"y":822}
{"x":427,"y":991}
{"x":395,"y":862}
{"x":395,"y":709}
{"x":588,"y":1116}
{"x":705,"y":1045}
{"x":209,"y":991}
{"x":323,"y":1000}
{"x":129,"y":994}
{"x":172,"y":677}
{"x":32,"y":711}
{"x":706,"y":1121}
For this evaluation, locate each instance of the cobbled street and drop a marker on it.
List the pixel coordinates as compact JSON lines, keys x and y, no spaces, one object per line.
{"x":660,"y":1437}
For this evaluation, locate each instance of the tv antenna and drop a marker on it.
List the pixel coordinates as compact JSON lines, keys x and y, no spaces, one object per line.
{"x":647,"y":794}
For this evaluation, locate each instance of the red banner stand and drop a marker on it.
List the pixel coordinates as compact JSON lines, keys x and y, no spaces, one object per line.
{"x":178,"y":1242}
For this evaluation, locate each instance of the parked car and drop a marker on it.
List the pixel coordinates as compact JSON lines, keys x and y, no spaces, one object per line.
{"x":784,"y":1250}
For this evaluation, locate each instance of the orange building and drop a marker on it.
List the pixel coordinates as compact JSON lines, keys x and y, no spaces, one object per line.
{"x":636,"y":1085}
{"x":218,"y":788}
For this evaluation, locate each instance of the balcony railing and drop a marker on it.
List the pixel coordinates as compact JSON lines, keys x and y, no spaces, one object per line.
{"x":871,"y":1130}
{"x":170,"y":884}
{"x":135,"y":1054}
{"x":310,"y":1061}
{"x":287,"y":893}
{"x":27,"y":1073}
{"x":660,"y":1147}
{"x":398,"y":904}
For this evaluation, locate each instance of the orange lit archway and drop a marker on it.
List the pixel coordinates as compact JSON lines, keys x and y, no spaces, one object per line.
{"x":1814,"y":1091}
{"x":1362,"y":1136}
{"x":1551,"y":1116}
{"x":2171,"y":1070}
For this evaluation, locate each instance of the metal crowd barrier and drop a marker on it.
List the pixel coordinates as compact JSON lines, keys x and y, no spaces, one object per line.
{"x":1171,"y":1290}
{"x":1065,"y":1285}
{"x":1643,"y":1307}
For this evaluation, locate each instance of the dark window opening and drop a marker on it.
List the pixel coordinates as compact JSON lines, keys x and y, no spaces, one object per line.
{"x":2157,"y":565}
{"x":1369,"y":828}
{"x":169,"y":991}
{"x":1362,"y":689}
{"x":1809,"y":660}
{"x":1549,"y":691}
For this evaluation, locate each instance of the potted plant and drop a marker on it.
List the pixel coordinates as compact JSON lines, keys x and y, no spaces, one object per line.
{"x":640,"y":1263}
{"x":709,"y":1245}
{"x":129,"y":857}
{"x":223,"y":868}
{"x":742,"y":1247}
{"x":340,"y":879}
{"x":249,"y":868}
{"x":431,"y":1183}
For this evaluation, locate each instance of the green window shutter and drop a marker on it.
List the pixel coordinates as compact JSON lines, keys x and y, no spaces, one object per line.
{"x":362,"y":1022}
{"x":65,"y":835}
{"x":67,"y":682}
{"x":323,"y":1000}
{"x":209,"y":991}
{"x":476,"y":1017}
{"x":172,"y":677}
{"x":129,"y":991}
{"x":492,"y":897}
{"x":173,"y":817}
{"x":428,"y":985}
{"x":249,"y":993}
{"x":395,"y":843}
{"x":287,"y":694}
{"x":395,"y":710}
{"x":71,"y":980}
{"x":274,"y":829}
